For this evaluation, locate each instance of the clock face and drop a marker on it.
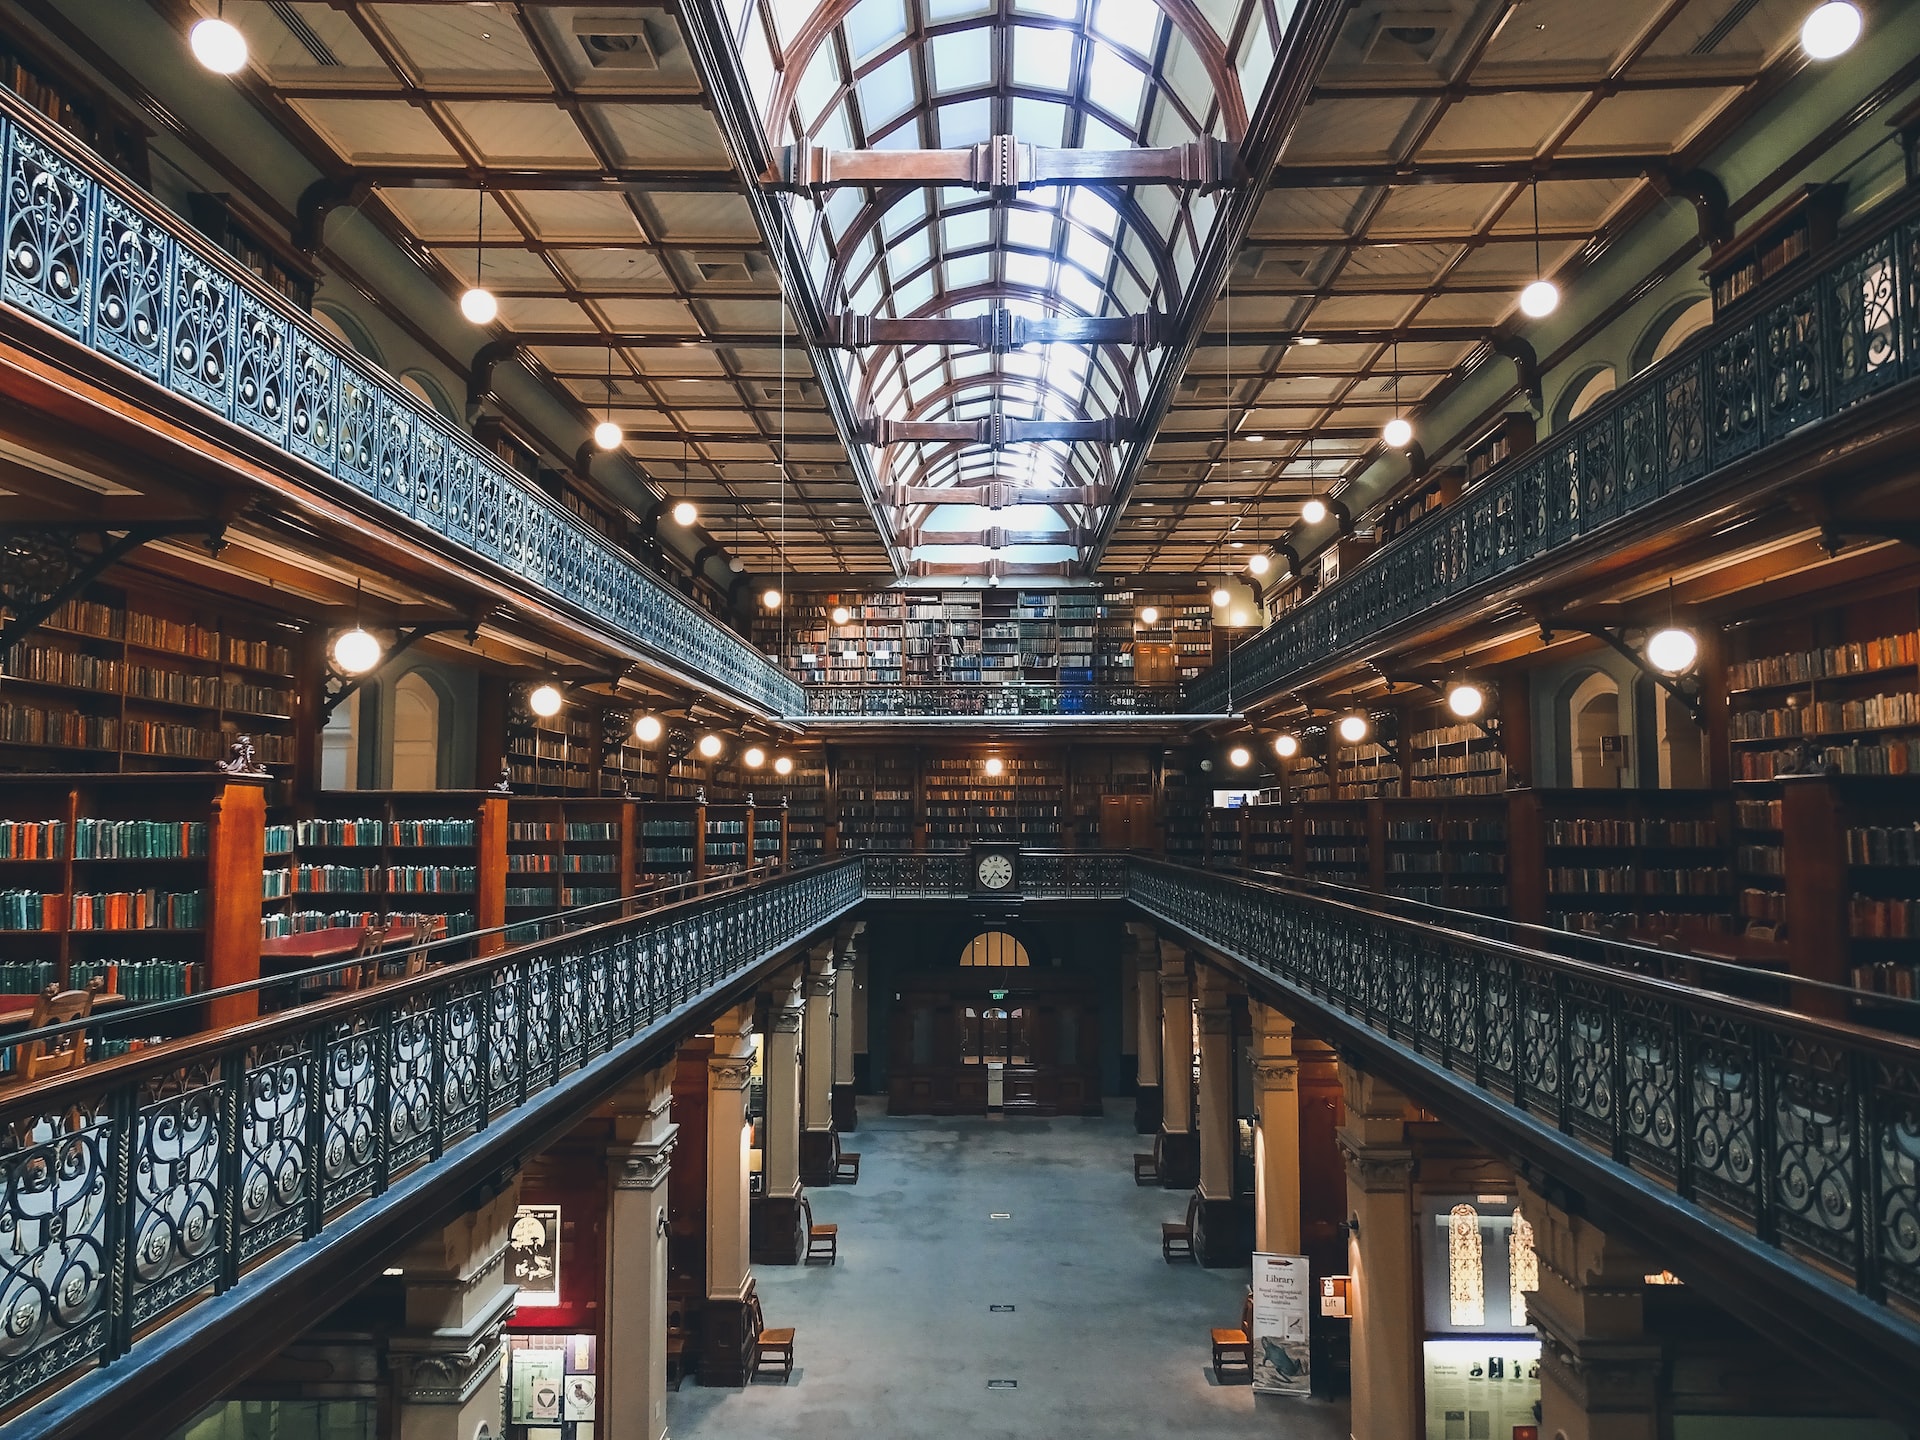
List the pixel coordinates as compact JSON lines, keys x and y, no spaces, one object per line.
{"x":995,"y":872}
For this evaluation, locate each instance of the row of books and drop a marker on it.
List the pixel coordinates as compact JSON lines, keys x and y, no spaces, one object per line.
{"x":1485,"y":832}
{"x":1871,"y":918}
{"x":106,"y":622}
{"x":152,"y":909}
{"x":33,"y":839}
{"x":1677,"y":833}
{"x":1761,"y":859}
{"x":1433,"y":862}
{"x":1856,"y":658}
{"x":139,"y":980}
{"x":393,"y":879}
{"x":562,"y":830}
{"x":138,"y":839}
{"x":1887,"y":757}
{"x":1826,"y":717}
{"x":344,"y":834}
{"x":1884,"y":845}
{"x":548,"y":864}
{"x":1758,"y":814}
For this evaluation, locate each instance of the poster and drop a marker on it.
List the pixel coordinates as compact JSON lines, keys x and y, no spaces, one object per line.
{"x":1282,"y":1351}
{"x":538,"y":1383}
{"x":1481,"y":1389}
{"x":533,"y":1254}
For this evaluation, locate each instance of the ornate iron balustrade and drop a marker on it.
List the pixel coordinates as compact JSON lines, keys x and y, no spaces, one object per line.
{"x":1790,"y":357}
{"x":1044,"y":875}
{"x":88,"y":254}
{"x":130,"y":1188}
{"x":990,"y":699}
{"x":1803,"y":1133}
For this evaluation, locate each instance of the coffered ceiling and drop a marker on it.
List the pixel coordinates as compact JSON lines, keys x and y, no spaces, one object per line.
{"x":614,"y":174}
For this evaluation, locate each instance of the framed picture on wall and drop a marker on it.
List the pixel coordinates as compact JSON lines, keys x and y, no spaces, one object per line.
{"x":533,"y":1254}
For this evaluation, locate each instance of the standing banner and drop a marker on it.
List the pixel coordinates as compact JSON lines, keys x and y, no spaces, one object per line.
{"x":1282,"y":1351}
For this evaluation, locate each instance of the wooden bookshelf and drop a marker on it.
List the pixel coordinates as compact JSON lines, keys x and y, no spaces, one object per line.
{"x":877,"y":794}
{"x":1025,"y":803}
{"x":673,"y":841}
{"x":1453,"y":853}
{"x":557,"y":756}
{"x":563,"y":853}
{"x":147,"y":681}
{"x":1641,"y":863}
{"x":1802,"y":224}
{"x":252,"y":241}
{"x":76,"y":105}
{"x":729,"y":830}
{"x":1334,"y":842}
{"x":1512,"y":434}
{"x":1452,"y":760}
{"x":151,"y":882}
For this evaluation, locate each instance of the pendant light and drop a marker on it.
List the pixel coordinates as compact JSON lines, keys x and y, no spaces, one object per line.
{"x":217,"y":44}
{"x":478,"y":304}
{"x":1542,"y":297}
{"x":685,"y":512}
{"x":1398,"y":432}
{"x":1314,"y":511}
{"x":607,"y":434}
{"x":1830,"y":30}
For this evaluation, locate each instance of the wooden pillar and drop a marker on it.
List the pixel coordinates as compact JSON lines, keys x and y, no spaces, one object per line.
{"x":1146,"y":963}
{"x":236,"y":856}
{"x":445,"y":1363}
{"x":786,"y":853}
{"x":845,"y":1107}
{"x":1599,"y":1370}
{"x":778,"y":1235}
{"x":633,"y":1370}
{"x":726,"y":1348}
{"x":1219,"y":1236}
{"x":1276,"y":1142}
{"x":1385,"y":1299}
{"x":1176,"y":1148}
{"x":819,"y":1146}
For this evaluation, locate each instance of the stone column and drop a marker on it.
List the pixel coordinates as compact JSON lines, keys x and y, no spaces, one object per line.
{"x":846,"y":973}
{"x":633,"y":1366}
{"x":1276,"y":1142}
{"x":1599,"y":1369}
{"x":445,"y":1365}
{"x":778,"y":1236}
{"x":819,"y":1146}
{"x":1387,"y":1319}
{"x":726,"y":1344}
{"x":1176,"y":1149}
{"x":1146,"y":962}
{"x":1219,"y":1236}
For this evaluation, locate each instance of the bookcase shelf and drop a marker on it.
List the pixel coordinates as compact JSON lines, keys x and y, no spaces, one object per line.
{"x":147,"y":682}
{"x":567,"y":852}
{"x":1641,"y":862}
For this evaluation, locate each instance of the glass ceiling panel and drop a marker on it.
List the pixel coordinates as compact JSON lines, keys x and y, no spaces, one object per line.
{"x":1087,"y":74}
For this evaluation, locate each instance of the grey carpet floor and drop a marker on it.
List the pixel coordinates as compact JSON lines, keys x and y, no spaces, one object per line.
{"x":898,"y":1339}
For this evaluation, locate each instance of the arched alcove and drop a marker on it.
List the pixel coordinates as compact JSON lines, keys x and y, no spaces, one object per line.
{"x":416,"y":733}
{"x":1589,"y":714}
{"x":346,"y":328}
{"x":1586,"y":390}
{"x":340,"y":746}
{"x":1671,"y":329}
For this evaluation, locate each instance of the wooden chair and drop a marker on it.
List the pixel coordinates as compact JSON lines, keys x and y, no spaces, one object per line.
{"x":676,"y":1343}
{"x":1234,"y":1348}
{"x":40,"y":1058}
{"x":770,"y":1347}
{"x":1176,"y":1239}
{"x":846,"y":1168}
{"x":1146,"y":1169}
{"x":823,"y":1241}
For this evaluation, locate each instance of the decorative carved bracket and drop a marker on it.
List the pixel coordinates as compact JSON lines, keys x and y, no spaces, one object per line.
{"x":42,"y":567}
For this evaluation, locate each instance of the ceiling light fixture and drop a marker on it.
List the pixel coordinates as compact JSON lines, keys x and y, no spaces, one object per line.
{"x":648,"y":729}
{"x":1672,"y":650}
{"x":710,"y":746}
{"x":685,"y":513}
{"x":1286,"y":746}
{"x":770,"y":598}
{"x":783,"y":764}
{"x":356,"y":651}
{"x":607,"y":434}
{"x":841,"y":615}
{"x":1314,"y":511}
{"x":1466,"y":699}
{"x":1258,"y":563}
{"x":478,"y":304}
{"x":1542,"y":297}
{"x":1240,"y":757}
{"x":1221,"y":597}
{"x":1149,"y":615}
{"x":995,"y":765}
{"x":1830,"y":30}
{"x":545,"y":700}
{"x":1354,"y":728}
{"x":1306,"y":339}
{"x":1398,"y":432}
{"x":753,"y":757}
{"x":218,"y":45}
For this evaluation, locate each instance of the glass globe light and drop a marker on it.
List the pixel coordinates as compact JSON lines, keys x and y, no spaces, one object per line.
{"x":1354,"y":728}
{"x":770,"y":598}
{"x":684,"y":513}
{"x":607,"y":435}
{"x":710,"y":746}
{"x":1466,"y":699}
{"x":841,"y":615}
{"x":1258,"y":563}
{"x":218,"y":46}
{"x":648,"y":729}
{"x":1314,"y":511}
{"x":479,"y":306}
{"x":1539,"y":299}
{"x":1240,"y":757}
{"x":754,"y":757}
{"x":355,"y":651}
{"x":1673,"y":650}
{"x":1830,"y":30}
{"x":1221,"y":597}
{"x":1149,"y":616}
{"x":783,"y":765}
{"x":1398,"y":432}
{"x":995,"y":765}
{"x":1286,"y":746}
{"x":545,"y":700}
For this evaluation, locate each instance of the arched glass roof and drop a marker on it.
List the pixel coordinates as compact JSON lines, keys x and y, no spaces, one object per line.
{"x":942,"y":74}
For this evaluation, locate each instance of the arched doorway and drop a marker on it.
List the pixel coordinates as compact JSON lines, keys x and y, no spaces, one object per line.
{"x":1594,"y":733}
{"x":416,"y":733}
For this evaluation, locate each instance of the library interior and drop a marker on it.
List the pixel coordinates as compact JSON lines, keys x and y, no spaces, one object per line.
{"x":742,"y":718}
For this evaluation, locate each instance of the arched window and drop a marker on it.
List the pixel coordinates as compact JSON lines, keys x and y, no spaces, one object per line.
{"x":994,"y":948}
{"x":1582,"y":395}
{"x":1466,"y":1268}
{"x":429,"y":390}
{"x":416,"y":734}
{"x":346,"y":328}
{"x":1523,"y":1267}
{"x":1671,"y":329}
{"x":1591,"y":725}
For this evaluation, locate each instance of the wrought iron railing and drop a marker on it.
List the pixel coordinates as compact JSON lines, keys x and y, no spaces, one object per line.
{"x":992,"y":699}
{"x":1791,"y":356}
{"x":1802,"y":1132}
{"x":132,"y":1187}
{"x":94,"y":257}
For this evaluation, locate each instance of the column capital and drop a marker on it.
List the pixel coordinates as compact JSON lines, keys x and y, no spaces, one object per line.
{"x":821,"y":983}
{"x":1374,"y":1169}
{"x":449,"y":1367}
{"x":1175,"y":987}
{"x":643,"y":1166}
{"x":1214,"y":1019}
{"x":729,"y":1072}
{"x":1276,"y":1073}
{"x":786,"y":1019}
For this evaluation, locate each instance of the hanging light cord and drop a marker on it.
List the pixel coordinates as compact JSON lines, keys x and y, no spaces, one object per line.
{"x":479,"y":238}
{"x":1538,"y":273}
